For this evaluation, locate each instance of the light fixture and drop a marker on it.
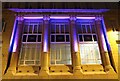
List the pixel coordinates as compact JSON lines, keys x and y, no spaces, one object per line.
{"x":59,"y":17}
{"x":33,"y":17}
{"x":85,"y":17}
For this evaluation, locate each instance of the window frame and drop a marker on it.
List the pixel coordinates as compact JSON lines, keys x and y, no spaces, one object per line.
{"x":38,"y":45}
{"x":65,"y":42}
{"x":91,"y":24}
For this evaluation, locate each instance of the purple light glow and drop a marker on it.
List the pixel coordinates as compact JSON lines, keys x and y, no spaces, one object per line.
{"x":59,"y":17}
{"x":61,"y":10}
{"x":75,"y":46}
{"x":45,"y":46}
{"x":33,"y":17}
{"x":15,"y":45}
{"x":85,"y":17}
{"x":105,"y":35}
{"x":104,"y":44}
{"x":12,"y":38}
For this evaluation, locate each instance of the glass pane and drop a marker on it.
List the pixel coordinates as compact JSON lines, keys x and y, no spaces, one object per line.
{"x":66,"y":28}
{"x":95,"y":38}
{"x":24,"y":38}
{"x":21,"y":62}
{"x":29,"y":62}
{"x":83,"y":28}
{"x":27,"y":52}
{"x":67,"y":38}
{"x":52,"y":28}
{"x":30,"y":28}
{"x":93,"y":28}
{"x":35,"y":29}
{"x":62,"y":29}
{"x":88,"y":29}
{"x":80,"y":38}
{"x":22,"y":54}
{"x":57,"y":28}
{"x":60,"y":54}
{"x":60,"y":38}
{"x":52,"y":38}
{"x":38,"y":51}
{"x":39,"y":38}
{"x":31,"y":38}
{"x":26,"y":29}
{"x":33,"y":52}
{"x":39,"y":28}
{"x":90,"y":54}
{"x":79,"y":29}
{"x":87,"y":37}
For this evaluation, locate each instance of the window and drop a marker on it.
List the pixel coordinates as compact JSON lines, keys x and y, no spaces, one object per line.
{"x":60,"y":43}
{"x":31,"y":43}
{"x":89,"y":49}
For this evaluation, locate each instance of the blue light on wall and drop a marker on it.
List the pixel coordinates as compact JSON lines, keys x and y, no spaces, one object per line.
{"x":13,"y":36}
{"x":105,"y":34}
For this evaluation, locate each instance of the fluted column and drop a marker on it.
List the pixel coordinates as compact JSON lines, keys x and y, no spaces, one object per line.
{"x":74,"y":47}
{"x":102,"y":46}
{"x":45,"y":47}
{"x":16,"y":45}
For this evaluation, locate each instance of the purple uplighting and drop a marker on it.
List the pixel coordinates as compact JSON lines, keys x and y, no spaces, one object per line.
{"x":33,"y":17}
{"x":13,"y":37}
{"x":85,"y":17}
{"x":45,"y":46}
{"x":104,"y":44}
{"x":59,"y":17}
{"x":61,"y":10}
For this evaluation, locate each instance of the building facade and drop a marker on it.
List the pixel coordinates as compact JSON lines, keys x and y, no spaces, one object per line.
{"x":59,"y":43}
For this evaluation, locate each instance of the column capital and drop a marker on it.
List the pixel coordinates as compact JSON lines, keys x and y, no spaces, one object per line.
{"x":72,"y":17}
{"x":98,"y":18}
{"x":46,"y":17}
{"x":20,"y":18}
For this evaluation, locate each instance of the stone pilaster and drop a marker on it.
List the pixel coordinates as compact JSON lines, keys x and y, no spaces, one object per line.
{"x":102,"y":46}
{"x":75,"y":47}
{"x":16,"y":46}
{"x":45,"y":48}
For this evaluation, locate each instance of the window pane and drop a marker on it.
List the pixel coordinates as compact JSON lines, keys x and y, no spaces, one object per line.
{"x":90,"y":54}
{"x":39,"y":38}
{"x":62,"y":29}
{"x":24,"y":38}
{"x":67,"y":38}
{"x":26,"y":29}
{"x":66,"y":28}
{"x":57,"y":28}
{"x":39,"y":28}
{"x":88,"y":29}
{"x":31,"y":38}
{"x":80,"y":38}
{"x":60,"y":54}
{"x":93,"y":28}
{"x":52,"y":38}
{"x":52,"y":28}
{"x":79,"y":28}
{"x":35,"y":29}
{"x":87,"y":37}
{"x":30,"y":28}
{"x":83,"y":28}
{"x":60,"y":38}
{"x":95,"y":38}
